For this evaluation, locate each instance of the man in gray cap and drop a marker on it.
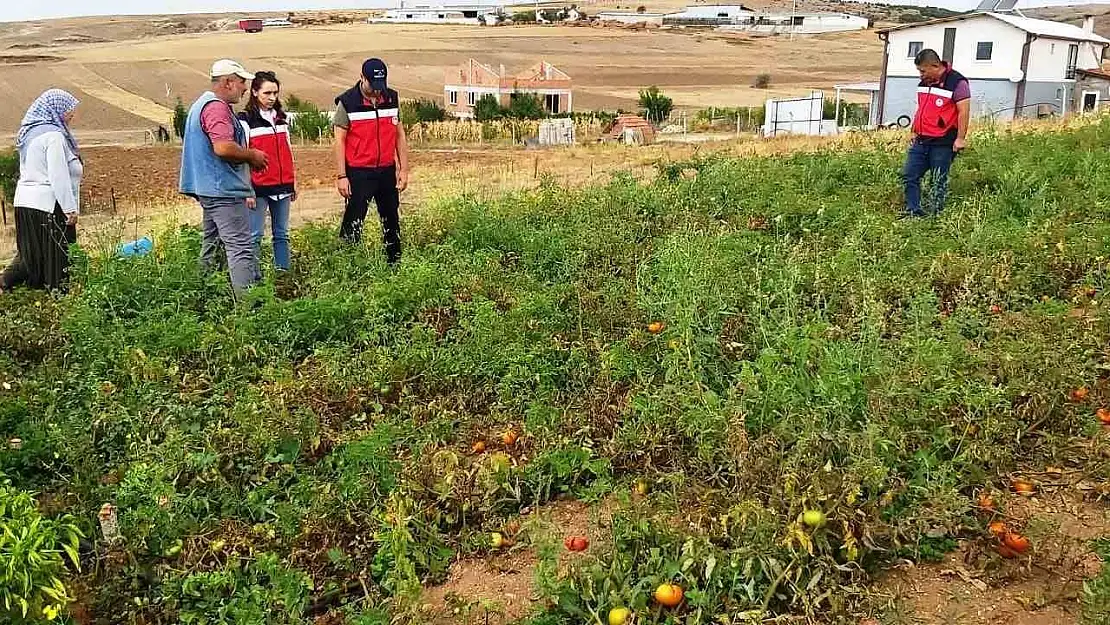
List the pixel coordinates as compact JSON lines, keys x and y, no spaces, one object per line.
{"x":371,"y":156}
{"x":215,"y":170}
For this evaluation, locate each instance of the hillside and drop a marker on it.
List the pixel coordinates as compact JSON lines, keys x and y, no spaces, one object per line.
{"x":745,"y":376}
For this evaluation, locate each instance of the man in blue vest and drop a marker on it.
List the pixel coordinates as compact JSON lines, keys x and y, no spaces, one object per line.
{"x":215,"y":170}
{"x":939,"y":129}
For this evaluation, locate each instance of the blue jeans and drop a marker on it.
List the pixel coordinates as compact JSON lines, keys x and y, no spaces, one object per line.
{"x":921,"y":159}
{"x":279,"y":225}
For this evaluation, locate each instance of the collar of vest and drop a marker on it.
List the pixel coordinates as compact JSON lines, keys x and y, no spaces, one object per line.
{"x":254,"y":119}
{"x":352,"y":99}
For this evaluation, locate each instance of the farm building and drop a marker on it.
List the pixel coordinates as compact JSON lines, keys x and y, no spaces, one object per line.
{"x":631,"y":17}
{"x":476,"y":14}
{"x":799,"y":23}
{"x":708,"y":15}
{"x":630,"y":129}
{"x":1017,"y":66}
{"x":464,"y":85}
{"x":1092,"y":90}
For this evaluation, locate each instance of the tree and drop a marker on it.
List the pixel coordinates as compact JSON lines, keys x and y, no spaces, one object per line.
{"x":488,"y":108}
{"x":180,"y":115}
{"x":526,"y":106}
{"x":420,"y":111}
{"x":654,"y":105}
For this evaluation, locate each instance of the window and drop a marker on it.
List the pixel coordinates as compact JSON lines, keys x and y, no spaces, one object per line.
{"x":984,"y":50}
{"x":470,"y":98}
{"x":914,"y":49}
{"x":1059,"y":94}
{"x":453,"y":97}
{"x":1073,"y":60}
{"x":722,"y":15}
{"x":551,"y":103}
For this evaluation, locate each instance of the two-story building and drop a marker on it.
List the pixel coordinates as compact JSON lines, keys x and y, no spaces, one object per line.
{"x":1016,"y":66}
{"x":464,"y":85}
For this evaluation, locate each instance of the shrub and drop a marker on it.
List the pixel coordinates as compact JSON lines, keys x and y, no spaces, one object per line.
{"x":421,"y":111}
{"x":526,"y":106}
{"x":9,"y":173}
{"x":306,"y":120}
{"x":524,"y":17}
{"x":654,"y":105}
{"x":31,"y":557}
{"x":488,"y":108}
{"x":180,"y":116}
{"x":762,"y":81}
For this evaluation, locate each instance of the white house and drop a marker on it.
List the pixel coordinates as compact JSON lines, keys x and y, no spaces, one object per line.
{"x":708,"y":15}
{"x":631,"y":17}
{"x":440,"y":14}
{"x":798,"y":23}
{"x":1016,"y":66}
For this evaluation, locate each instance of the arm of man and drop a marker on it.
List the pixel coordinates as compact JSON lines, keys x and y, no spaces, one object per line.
{"x":218,"y":123}
{"x":341,"y":122}
{"x":402,"y":159}
{"x":962,"y":96}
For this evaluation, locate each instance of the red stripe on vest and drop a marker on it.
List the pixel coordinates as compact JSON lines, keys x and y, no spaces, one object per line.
{"x":937,"y":115}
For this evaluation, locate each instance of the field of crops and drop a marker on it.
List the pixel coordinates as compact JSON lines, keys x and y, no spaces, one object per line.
{"x":768,"y":387}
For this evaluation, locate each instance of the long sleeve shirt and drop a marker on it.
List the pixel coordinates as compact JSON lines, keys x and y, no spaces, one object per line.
{"x":51,"y":174}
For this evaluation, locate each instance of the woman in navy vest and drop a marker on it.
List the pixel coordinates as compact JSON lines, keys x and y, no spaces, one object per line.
{"x":939,"y":129}
{"x":275,"y":186}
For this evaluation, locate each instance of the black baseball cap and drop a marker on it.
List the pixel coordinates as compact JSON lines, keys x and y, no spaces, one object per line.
{"x":374,"y":71}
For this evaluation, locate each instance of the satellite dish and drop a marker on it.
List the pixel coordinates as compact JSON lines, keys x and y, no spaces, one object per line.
{"x":1018,"y":77}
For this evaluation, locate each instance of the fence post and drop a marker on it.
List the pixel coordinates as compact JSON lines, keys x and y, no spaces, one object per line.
{"x":536,"y":168}
{"x":4,"y":203}
{"x":113,"y":191}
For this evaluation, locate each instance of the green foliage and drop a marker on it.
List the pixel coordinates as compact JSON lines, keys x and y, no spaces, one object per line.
{"x":654,"y":105}
{"x":819,"y":352}
{"x":180,"y":117}
{"x":306,"y":120}
{"x":526,"y":106}
{"x":9,"y":173}
{"x":420,"y":111}
{"x":33,"y":555}
{"x":524,"y":17}
{"x":1096,"y":591}
{"x":487,"y":108}
{"x":262,"y":591}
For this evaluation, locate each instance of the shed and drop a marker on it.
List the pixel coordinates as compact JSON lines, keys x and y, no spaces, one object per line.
{"x":630,"y":129}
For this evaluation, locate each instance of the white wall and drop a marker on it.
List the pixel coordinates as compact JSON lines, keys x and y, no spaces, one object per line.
{"x":1048,"y":58}
{"x":1005,"y":59}
{"x":712,"y":11}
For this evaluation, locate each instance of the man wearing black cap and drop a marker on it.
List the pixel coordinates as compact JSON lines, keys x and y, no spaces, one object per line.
{"x":371,"y":156}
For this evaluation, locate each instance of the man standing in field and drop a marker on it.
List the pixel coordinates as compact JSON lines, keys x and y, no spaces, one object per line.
{"x":371,"y":156}
{"x":939,"y":129}
{"x":215,"y":170}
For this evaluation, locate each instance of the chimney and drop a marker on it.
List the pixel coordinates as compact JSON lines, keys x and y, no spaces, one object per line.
{"x":1089,"y":24}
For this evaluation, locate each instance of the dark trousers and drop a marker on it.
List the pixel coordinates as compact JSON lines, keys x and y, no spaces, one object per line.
{"x":380,"y":185}
{"x":921,"y":159}
{"x":42,"y":243}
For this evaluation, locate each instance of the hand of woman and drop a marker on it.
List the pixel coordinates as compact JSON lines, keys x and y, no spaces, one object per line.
{"x":71,"y":219}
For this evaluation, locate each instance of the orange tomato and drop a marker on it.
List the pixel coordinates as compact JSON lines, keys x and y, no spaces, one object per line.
{"x":1080,"y":393}
{"x":1005,"y":551}
{"x":995,"y":309}
{"x":576,"y":543}
{"x":479,"y":447}
{"x":509,"y":437}
{"x":1103,"y":415}
{"x":1016,"y":542}
{"x":997,"y":529}
{"x":986,"y":501}
{"x":1023,"y":487}
{"x":655,"y":327}
{"x":668,"y":595}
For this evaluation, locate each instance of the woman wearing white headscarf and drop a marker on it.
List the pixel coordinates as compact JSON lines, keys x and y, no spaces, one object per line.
{"x":47,"y":197}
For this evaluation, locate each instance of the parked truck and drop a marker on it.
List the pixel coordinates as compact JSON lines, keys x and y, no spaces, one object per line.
{"x":251,"y":25}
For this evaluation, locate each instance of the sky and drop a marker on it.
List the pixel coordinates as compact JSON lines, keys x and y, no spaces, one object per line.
{"x":22,"y":10}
